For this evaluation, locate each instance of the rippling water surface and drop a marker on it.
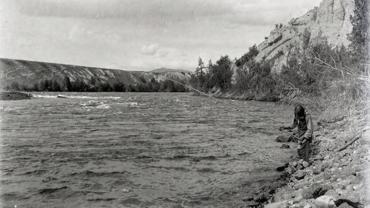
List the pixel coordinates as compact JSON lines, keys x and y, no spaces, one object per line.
{"x":137,"y":150}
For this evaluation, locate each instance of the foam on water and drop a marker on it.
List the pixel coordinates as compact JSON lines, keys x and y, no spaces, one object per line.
{"x":75,"y":96}
{"x":44,"y":96}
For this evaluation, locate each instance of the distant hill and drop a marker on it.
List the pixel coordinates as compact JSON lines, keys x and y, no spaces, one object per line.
{"x":162,"y":70}
{"x":33,"y":75}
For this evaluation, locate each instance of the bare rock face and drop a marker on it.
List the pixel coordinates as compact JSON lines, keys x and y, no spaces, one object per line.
{"x":330,"y":20}
{"x":333,"y":20}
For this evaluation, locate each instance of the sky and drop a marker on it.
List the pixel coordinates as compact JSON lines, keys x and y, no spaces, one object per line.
{"x":139,"y":34}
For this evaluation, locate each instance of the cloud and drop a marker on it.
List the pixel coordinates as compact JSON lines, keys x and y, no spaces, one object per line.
{"x":268,"y":12}
{"x":151,"y":49}
{"x":136,"y":9}
{"x":156,"y":32}
{"x":253,"y":12}
{"x":157,"y":51}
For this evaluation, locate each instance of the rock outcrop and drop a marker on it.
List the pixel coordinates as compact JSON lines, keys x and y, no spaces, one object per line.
{"x":330,"y":20}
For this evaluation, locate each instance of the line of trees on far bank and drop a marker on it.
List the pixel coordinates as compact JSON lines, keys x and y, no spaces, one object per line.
{"x":94,"y":85}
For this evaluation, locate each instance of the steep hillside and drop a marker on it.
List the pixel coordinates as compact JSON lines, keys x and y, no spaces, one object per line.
{"x":330,"y":20}
{"x":30,"y":74}
{"x":307,"y":57}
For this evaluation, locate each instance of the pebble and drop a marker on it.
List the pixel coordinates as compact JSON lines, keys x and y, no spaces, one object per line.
{"x":300,"y":175}
{"x":285,"y":146}
{"x":125,"y":190}
{"x":289,"y":170}
{"x":332,"y":193}
{"x":325,"y":202}
{"x":262,"y":197}
{"x":345,"y":205}
{"x":316,"y":170}
{"x":307,"y":206}
{"x":323,"y":166}
{"x":277,"y":204}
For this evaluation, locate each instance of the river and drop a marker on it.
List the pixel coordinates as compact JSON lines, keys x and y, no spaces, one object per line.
{"x":137,"y":150}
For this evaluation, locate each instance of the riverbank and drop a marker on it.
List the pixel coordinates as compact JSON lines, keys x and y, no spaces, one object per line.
{"x":14,"y":96}
{"x":336,"y":175}
{"x":236,"y":95}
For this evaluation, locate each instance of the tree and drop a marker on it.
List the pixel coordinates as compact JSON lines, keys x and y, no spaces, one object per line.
{"x":242,"y":78}
{"x":55,"y":86}
{"x":200,"y":63}
{"x":14,"y":86}
{"x":199,"y":70}
{"x":253,"y":52}
{"x":105,"y":87}
{"x":221,"y":73}
{"x":67,"y":83}
{"x":200,"y":74}
{"x":154,"y":85}
{"x":358,"y":36}
{"x":45,"y":85}
{"x":119,"y":87}
{"x":210,"y":64}
{"x":167,"y":86}
{"x":35,"y":87}
{"x":79,"y":86}
{"x":132,"y":88}
{"x":306,"y":38}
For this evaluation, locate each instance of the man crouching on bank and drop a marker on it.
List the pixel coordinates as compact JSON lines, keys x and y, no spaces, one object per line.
{"x":304,"y":133}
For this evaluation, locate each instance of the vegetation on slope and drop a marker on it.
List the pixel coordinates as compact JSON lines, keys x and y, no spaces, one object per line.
{"x":316,"y":69}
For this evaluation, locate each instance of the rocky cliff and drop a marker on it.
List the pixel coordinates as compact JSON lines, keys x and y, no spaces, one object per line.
{"x":330,"y":20}
{"x":15,"y":73}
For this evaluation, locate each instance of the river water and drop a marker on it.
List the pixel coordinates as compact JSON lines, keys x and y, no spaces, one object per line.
{"x":137,"y":150}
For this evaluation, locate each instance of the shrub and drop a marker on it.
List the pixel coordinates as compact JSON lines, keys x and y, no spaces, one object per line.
{"x":220,"y":73}
{"x":252,"y":53}
{"x":119,"y":87}
{"x":359,"y":35}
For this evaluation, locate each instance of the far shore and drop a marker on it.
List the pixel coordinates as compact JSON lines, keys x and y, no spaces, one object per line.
{"x":13,"y":95}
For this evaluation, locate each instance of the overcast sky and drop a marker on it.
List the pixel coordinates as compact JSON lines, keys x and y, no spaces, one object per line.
{"x":138,"y":34}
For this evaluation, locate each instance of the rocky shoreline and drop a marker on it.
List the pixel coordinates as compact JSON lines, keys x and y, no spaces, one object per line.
{"x":14,"y":95}
{"x":235,"y":95}
{"x":335,"y":176}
